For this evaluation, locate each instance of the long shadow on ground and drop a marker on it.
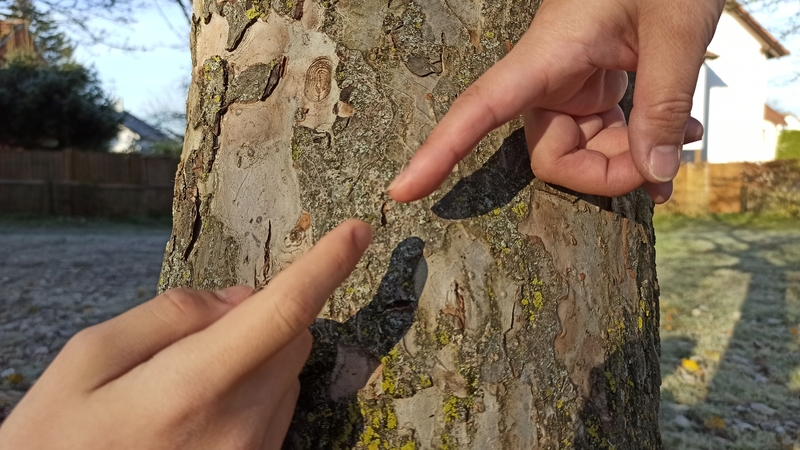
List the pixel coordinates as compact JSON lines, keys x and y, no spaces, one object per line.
{"x":749,"y":402}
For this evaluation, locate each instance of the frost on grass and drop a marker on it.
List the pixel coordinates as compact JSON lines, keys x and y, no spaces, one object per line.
{"x":730,"y":346}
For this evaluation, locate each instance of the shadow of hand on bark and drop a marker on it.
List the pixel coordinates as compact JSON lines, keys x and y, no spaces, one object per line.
{"x":499,"y":180}
{"x":345,"y":355}
{"x":504,"y":175}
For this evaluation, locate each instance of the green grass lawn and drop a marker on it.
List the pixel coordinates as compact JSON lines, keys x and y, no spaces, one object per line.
{"x":788,"y":145}
{"x":730,"y":312}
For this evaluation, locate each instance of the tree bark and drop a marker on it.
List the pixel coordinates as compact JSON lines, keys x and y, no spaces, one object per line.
{"x":498,"y":313}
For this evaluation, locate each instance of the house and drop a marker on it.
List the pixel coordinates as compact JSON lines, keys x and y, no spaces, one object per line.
{"x":732,"y":90}
{"x":14,"y":38}
{"x":792,"y":122}
{"x":136,"y":136}
{"x":774,"y":122}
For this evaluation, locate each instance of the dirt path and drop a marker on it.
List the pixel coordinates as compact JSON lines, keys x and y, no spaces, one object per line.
{"x":730,"y":312}
{"x":56,"y":280}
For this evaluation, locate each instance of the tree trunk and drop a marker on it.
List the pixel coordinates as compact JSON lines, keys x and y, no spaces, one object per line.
{"x":498,"y":313}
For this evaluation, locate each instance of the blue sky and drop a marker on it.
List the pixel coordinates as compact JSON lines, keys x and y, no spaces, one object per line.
{"x":783,"y":93}
{"x":147,"y":81}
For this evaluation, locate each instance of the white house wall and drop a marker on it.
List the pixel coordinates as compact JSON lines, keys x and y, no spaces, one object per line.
{"x":698,"y":106}
{"x":125,"y":142}
{"x":769,"y":135}
{"x":736,"y":112}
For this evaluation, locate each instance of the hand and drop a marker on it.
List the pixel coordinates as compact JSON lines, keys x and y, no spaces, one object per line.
{"x":572,"y":61}
{"x":188,"y":369}
{"x":585,"y":145}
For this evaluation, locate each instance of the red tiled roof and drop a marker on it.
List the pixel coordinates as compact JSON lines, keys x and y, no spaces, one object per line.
{"x":769,"y":45}
{"x":770,"y":115}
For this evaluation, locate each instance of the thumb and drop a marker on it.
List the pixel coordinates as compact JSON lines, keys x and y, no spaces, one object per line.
{"x":672,"y":47}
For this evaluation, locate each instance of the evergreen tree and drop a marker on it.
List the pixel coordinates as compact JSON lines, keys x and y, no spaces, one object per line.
{"x":46,"y":99}
{"x":54,"y":106}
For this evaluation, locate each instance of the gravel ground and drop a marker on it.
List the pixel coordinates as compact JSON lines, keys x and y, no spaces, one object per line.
{"x":56,"y":279}
{"x":730,"y":312}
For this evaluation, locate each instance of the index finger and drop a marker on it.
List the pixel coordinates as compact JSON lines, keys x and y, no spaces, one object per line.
{"x":259,"y":328}
{"x":501,"y":94}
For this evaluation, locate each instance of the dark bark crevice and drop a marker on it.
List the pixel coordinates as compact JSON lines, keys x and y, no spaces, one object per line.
{"x":197,"y":228}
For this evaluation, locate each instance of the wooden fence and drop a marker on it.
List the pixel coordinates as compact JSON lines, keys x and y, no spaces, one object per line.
{"x":736,"y":187}
{"x":70,"y":183}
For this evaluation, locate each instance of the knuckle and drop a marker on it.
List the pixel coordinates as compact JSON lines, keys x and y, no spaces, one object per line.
{"x":186,"y":397}
{"x":670,"y":113}
{"x":299,"y":315}
{"x":182,"y":302}
{"x":182,"y":418}
{"x":83,"y":340}
{"x":542,"y":168}
{"x":85,"y":344}
{"x":179,"y":308}
{"x":476,"y":96}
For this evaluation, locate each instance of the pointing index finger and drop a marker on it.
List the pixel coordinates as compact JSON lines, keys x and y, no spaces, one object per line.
{"x":269,"y":320}
{"x":500,"y":95}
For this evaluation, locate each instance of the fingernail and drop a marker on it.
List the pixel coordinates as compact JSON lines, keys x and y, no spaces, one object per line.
{"x":362,"y":236}
{"x":665,"y":161}
{"x":234,"y":294}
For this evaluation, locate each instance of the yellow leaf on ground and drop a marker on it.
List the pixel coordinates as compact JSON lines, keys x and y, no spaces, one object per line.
{"x":713,"y":356}
{"x":794,"y":331}
{"x":715,"y":422}
{"x":690,"y":365}
{"x":14,"y":378}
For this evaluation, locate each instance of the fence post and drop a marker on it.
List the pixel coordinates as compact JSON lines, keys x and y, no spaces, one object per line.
{"x":69,"y":164}
{"x":135,"y":169}
{"x":50,"y":192}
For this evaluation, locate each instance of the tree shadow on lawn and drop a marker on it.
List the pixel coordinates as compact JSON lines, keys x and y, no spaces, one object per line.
{"x":749,"y":403}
